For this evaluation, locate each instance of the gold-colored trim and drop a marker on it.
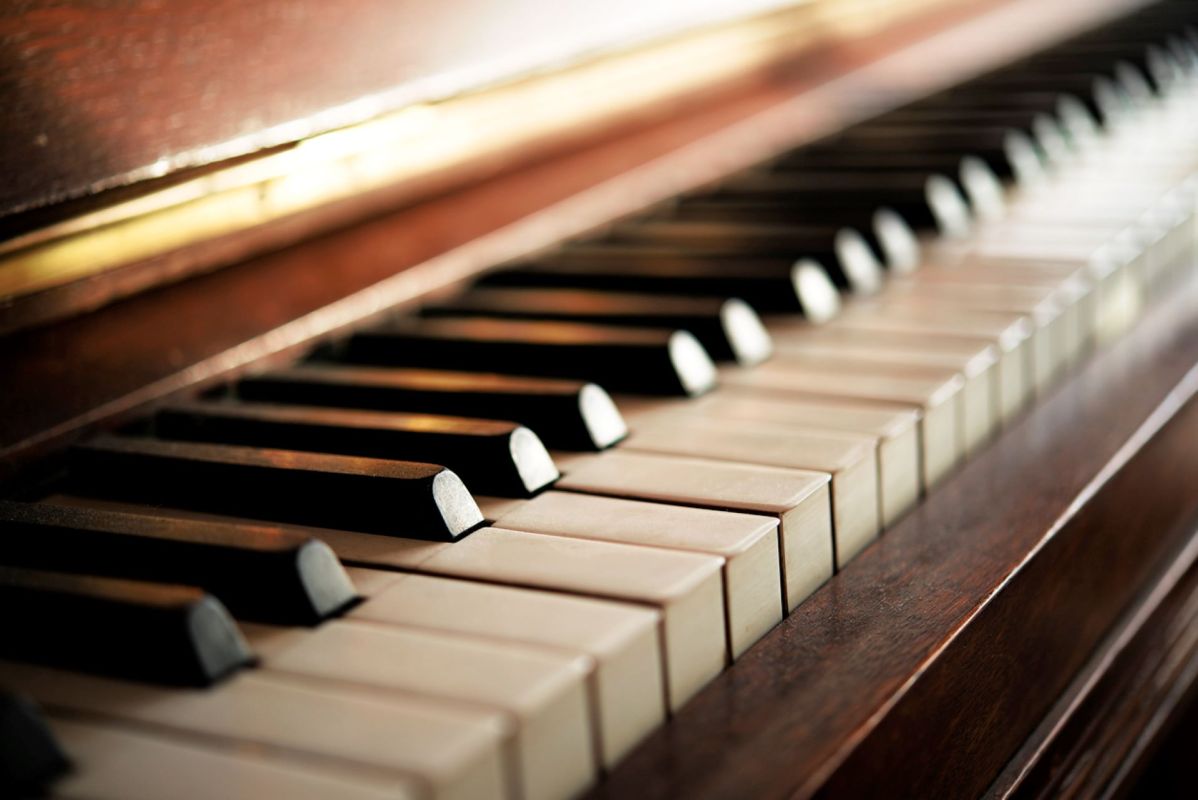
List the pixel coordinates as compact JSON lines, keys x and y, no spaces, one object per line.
{"x":424,"y":139}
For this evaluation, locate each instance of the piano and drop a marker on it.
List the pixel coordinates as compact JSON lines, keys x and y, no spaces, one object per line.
{"x":546,"y":400}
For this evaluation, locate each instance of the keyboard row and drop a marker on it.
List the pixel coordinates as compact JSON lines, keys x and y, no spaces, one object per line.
{"x":317,"y":582}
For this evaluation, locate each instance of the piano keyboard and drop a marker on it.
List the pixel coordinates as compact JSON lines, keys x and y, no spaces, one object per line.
{"x":484,"y":549}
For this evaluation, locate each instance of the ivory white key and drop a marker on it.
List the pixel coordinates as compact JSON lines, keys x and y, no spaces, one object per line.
{"x":620,"y":639}
{"x":799,"y":499}
{"x":851,"y":460}
{"x":962,"y":351}
{"x":986,"y":285}
{"x":1039,"y":352}
{"x":748,"y":544}
{"x":1045,"y":313}
{"x":1013,"y":342}
{"x":449,"y":751}
{"x":896,"y":428}
{"x":942,"y":438}
{"x":980,"y":399}
{"x":117,"y":762}
{"x":686,"y":587}
{"x":977,"y":405}
{"x":544,"y":692}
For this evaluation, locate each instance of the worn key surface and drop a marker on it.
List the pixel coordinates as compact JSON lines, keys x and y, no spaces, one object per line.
{"x":569,"y":415}
{"x":543,"y":691}
{"x":155,"y":632}
{"x":114,"y":761}
{"x":896,"y":428}
{"x":259,"y":572}
{"x":799,"y":500}
{"x":502,"y":458}
{"x":851,"y":460}
{"x":642,"y":360}
{"x":446,"y":750}
{"x":627,"y":682}
{"x":395,"y":498}
{"x":749,"y":545}
{"x":685,"y":587}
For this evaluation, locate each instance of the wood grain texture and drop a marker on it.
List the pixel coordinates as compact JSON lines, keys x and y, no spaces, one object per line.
{"x":923,"y":665}
{"x":99,"y":93}
{"x":1130,"y":700}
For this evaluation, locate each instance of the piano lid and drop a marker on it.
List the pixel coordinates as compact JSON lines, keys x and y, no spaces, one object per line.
{"x":202,"y":120}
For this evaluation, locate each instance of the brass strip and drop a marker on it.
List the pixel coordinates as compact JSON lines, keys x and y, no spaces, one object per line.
{"x":424,"y":139}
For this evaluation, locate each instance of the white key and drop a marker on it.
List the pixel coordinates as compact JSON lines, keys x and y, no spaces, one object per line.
{"x":543,"y":692}
{"x":993,"y":325}
{"x":684,"y":586}
{"x":977,"y":412}
{"x":451,"y":752}
{"x":1013,"y":388}
{"x":896,"y":428}
{"x":800,"y":500}
{"x":850,"y":459}
{"x":621,"y":640}
{"x":747,"y":543}
{"x":942,"y":436}
{"x":114,"y":762}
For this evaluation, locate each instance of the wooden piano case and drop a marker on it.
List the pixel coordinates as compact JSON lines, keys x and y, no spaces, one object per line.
{"x":1030,"y":629}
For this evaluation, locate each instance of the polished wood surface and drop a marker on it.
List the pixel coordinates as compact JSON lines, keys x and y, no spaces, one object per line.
{"x":216,"y":80}
{"x":959,"y":629}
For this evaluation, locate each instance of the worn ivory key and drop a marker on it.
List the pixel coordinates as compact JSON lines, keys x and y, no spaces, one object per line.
{"x":747,"y":543}
{"x":114,"y":761}
{"x":798,"y":499}
{"x":450,"y":751}
{"x":551,"y":750}
{"x":620,"y":640}
{"x":850,"y":459}
{"x":1013,"y":387}
{"x":942,"y":437}
{"x":685,"y":587}
{"x":896,"y":428}
{"x":977,"y":413}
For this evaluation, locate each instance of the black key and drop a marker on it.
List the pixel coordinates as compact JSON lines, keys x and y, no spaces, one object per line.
{"x":855,"y":193}
{"x":729,"y":329}
{"x":260,"y":573}
{"x":884,"y":233}
{"x":638,"y":360}
{"x":569,"y":415}
{"x":154,"y":632}
{"x":836,"y":160}
{"x":393,"y":498}
{"x":502,"y":458}
{"x":769,"y":285}
{"x":995,"y":145}
{"x":850,"y":261}
{"x":30,"y":757}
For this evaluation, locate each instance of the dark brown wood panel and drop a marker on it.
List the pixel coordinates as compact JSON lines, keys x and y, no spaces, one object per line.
{"x":98,"y":93}
{"x":921,"y":668}
{"x":1131,"y":698}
